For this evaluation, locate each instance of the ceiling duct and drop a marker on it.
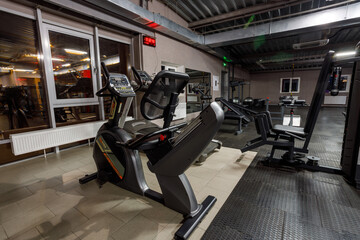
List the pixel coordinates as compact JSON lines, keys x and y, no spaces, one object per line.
{"x":311,"y":44}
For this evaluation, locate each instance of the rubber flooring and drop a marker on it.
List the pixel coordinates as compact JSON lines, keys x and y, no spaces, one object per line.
{"x":271,"y":203}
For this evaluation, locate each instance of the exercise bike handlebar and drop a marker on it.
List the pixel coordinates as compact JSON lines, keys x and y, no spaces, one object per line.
{"x":105,"y":70}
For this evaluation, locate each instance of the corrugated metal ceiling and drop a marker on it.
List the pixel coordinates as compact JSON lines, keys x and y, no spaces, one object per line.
{"x":254,"y":12}
{"x":266,"y":53}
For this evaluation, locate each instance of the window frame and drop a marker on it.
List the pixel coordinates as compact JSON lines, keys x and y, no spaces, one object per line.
{"x":48,"y":63}
{"x":290,"y":87}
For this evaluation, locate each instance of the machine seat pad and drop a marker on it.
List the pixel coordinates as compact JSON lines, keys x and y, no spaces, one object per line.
{"x":278,"y":128}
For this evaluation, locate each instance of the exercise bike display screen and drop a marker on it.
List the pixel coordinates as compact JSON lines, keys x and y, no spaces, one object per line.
{"x":121,"y":84}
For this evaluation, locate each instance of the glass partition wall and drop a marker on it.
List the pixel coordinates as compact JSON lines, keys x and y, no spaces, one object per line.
{"x":61,"y":93}
{"x":23,"y":105}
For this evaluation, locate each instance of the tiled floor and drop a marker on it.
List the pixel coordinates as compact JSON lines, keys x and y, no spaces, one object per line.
{"x":42,"y":199}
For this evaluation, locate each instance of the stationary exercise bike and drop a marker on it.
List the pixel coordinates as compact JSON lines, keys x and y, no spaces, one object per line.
{"x":116,"y":153}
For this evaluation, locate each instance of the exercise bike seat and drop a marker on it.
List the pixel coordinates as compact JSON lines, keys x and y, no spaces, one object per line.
{"x":182,"y":150}
{"x":140,"y":127}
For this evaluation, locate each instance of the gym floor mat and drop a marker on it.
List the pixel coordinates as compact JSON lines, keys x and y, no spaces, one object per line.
{"x":271,"y":203}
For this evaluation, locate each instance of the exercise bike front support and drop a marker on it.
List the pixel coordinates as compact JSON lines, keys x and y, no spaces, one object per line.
{"x":190,"y":224}
{"x":88,"y":178}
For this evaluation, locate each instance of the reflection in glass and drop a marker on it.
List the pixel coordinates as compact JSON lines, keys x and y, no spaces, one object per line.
{"x":198,"y":90}
{"x":70,"y":57}
{"x":72,"y":115}
{"x":22,"y":99}
{"x":116,"y":57}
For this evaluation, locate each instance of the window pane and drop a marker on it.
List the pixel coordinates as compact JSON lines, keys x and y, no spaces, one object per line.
{"x":71,"y":66}
{"x":72,"y":115}
{"x":295,"y":85}
{"x":285,"y":85}
{"x":116,"y":57}
{"x":22,"y":98}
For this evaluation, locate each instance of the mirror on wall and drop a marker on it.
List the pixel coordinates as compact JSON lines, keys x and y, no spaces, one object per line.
{"x":198,"y":90}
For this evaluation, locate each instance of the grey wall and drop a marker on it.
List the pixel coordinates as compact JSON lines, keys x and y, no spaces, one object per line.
{"x":268,"y":84}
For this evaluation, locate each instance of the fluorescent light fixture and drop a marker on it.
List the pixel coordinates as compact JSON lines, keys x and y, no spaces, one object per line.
{"x":343,"y":54}
{"x":57,"y":59}
{"x":32,"y":55}
{"x":23,"y":70}
{"x":38,"y":56}
{"x":66,"y":65}
{"x":85,"y":60}
{"x":76,"y":52}
{"x":111,"y":61}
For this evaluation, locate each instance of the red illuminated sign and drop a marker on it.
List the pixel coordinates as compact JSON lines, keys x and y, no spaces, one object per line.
{"x":149,"y":41}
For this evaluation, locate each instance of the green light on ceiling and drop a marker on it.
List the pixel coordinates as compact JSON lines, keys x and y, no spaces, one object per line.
{"x":249,"y":21}
{"x":224,"y":64}
{"x":259,"y":41}
{"x":227,"y":59}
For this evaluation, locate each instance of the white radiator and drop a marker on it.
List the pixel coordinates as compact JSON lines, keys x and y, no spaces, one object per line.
{"x":38,"y":140}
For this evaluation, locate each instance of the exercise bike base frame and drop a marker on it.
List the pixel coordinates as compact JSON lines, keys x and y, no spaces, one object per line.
{"x":88,"y":178}
{"x":190,"y":224}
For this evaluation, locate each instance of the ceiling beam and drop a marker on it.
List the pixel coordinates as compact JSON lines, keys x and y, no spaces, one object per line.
{"x":137,"y":14}
{"x":243,"y":12}
{"x":334,"y":46}
{"x":348,"y":15}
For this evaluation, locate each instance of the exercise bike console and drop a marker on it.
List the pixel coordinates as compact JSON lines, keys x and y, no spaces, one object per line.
{"x":120,"y":84}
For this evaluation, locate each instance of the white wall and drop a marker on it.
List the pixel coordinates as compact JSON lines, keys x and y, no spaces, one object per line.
{"x":169,"y":50}
{"x":268,"y":84}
